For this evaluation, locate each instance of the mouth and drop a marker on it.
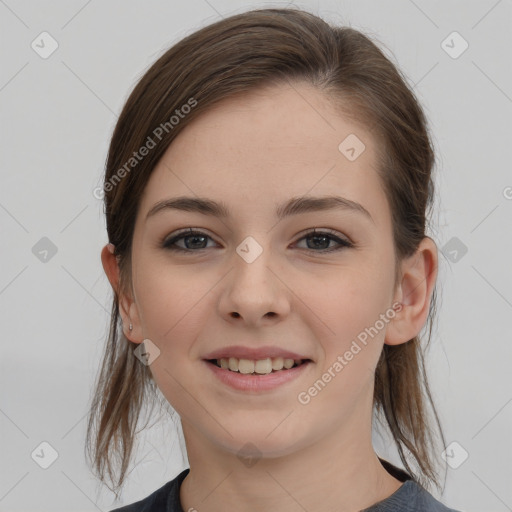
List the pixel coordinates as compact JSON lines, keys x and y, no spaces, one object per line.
{"x":257,"y":367}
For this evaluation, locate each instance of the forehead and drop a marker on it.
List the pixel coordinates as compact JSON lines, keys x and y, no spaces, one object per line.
{"x":267,"y":146}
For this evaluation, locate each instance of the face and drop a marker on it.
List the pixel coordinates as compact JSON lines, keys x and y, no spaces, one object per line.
{"x":254,"y":279}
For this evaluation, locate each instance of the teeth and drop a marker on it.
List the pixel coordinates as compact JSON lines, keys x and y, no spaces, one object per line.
{"x":277,"y":363}
{"x":261,"y":366}
{"x":288,"y":363}
{"x":245,"y":366}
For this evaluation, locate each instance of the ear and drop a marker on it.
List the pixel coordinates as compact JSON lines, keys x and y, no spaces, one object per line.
{"x":419,"y":274}
{"x":127,"y":307}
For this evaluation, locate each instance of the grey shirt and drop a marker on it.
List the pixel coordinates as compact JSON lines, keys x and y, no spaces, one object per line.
{"x":410,"y":497}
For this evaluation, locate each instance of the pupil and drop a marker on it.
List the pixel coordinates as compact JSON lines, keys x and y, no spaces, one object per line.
{"x":195,"y":238}
{"x":323,"y":238}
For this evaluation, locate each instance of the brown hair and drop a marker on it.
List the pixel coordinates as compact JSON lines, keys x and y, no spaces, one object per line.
{"x":229,"y":57}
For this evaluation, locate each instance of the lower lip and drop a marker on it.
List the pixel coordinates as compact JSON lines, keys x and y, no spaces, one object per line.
{"x":256,"y":383}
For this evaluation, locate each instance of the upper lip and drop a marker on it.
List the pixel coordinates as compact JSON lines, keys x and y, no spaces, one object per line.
{"x":241,"y":352}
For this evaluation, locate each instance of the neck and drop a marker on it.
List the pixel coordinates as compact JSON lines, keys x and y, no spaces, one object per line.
{"x":340,"y":472}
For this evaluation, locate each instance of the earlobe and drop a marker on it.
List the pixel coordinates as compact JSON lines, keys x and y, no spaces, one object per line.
{"x":132,"y":324}
{"x":419,"y":273}
{"x":127,"y":307}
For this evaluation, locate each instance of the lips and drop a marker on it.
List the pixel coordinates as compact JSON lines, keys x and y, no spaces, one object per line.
{"x":255,"y":384}
{"x":254,"y":354}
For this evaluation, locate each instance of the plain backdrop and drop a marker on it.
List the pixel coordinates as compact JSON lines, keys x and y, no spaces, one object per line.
{"x":57,"y":116}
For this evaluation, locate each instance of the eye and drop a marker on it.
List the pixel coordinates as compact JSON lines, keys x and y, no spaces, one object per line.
{"x":322,"y":239}
{"x":193,"y":241}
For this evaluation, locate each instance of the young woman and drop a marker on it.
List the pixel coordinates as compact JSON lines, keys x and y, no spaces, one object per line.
{"x":266,"y":196}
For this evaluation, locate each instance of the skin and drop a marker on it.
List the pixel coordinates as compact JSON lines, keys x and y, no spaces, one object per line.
{"x":253,"y":153}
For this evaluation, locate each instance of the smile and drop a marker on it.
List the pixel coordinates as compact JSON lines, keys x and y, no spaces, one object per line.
{"x":252,"y":382}
{"x":259,"y":367}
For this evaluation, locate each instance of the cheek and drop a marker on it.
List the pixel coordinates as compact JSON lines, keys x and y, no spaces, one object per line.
{"x":350,"y":306}
{"x":170,"y":301}
{"x":173,"y":308}
{"x":347,"y":301}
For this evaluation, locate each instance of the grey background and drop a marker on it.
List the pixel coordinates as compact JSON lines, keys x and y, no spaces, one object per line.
{"x":57,"y":115}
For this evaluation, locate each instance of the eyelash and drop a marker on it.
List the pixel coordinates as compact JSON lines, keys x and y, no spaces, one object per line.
{"x":169,"y":243}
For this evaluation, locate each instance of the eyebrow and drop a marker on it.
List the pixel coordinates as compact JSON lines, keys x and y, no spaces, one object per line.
{"x":296,"y":205}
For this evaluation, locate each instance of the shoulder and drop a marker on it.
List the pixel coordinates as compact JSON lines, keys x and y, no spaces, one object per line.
{"x":410,"y":497}
{"x":166,"y":498}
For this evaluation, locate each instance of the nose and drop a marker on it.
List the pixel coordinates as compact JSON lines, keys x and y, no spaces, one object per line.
{"x":254,"y":293}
